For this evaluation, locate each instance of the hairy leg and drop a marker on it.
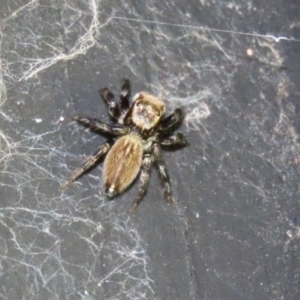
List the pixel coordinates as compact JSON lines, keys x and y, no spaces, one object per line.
{"x":125,"y":94}
{"x":113,"y":107}
{"x":171,"y":121}
{"x":145,"y":174}
{"x":165,"y":179}
{"x":175,"y":140}
{"x":87,"y":164}
{"x":100,"y":127}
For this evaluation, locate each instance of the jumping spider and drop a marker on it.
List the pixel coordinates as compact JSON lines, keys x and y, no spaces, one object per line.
{"x":135,"y":142}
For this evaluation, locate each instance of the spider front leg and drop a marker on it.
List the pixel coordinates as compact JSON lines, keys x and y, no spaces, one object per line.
{"x":171,"y":121}
{"x":87,"y":164}
{"x":109,"y":99}
{"x":165,"y":179}
{"x":125,"y":94}
{"x":145,"y":174}
{"x":100,"y":127}
{"x":175,"y":140}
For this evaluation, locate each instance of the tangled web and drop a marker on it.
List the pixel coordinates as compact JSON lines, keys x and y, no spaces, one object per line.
{"x":75,"y":243}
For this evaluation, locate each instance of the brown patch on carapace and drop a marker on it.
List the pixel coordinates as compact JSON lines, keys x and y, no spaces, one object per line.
{"x":145,"y":112}
{"x":122,"y":164}
{"x":153,"y":101}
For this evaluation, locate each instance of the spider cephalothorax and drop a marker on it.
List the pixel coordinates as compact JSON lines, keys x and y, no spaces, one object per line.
{"x":145,"y":112}
{"x":136,"y":141}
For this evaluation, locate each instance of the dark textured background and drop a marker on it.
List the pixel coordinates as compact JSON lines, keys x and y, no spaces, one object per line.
{"x":234,"y":231}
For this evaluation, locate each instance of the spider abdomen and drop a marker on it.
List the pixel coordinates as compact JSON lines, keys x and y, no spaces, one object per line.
{"x":122,"y":164}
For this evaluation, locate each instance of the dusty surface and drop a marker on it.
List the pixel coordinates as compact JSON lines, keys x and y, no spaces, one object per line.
{"x":234,"y":232}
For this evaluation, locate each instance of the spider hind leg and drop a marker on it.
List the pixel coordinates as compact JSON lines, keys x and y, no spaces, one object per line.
{"x":165,"y":179}
{"x":89,"y":163}
{"x":145,"y":174}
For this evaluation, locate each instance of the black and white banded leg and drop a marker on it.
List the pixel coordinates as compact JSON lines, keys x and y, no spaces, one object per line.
{"x":174,"y":119}
{"x":125,"y":94}
{"x":90,"y":162}
{"x":163,"y":173}
{"x":100,"y":127}
{"x":112,"y":105}
{"x":175,"y":140}
{"x":144,"y":177}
